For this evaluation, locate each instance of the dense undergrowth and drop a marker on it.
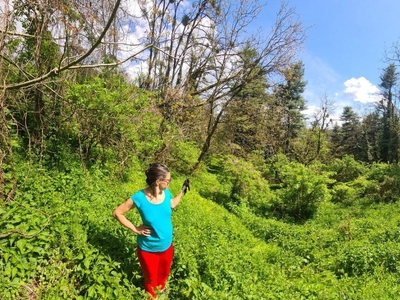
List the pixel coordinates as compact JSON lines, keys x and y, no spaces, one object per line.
{"x":284,"y":231}
{"x":256,"y":224}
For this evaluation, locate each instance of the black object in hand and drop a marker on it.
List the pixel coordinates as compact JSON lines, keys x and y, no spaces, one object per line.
{"x":186,"y":186}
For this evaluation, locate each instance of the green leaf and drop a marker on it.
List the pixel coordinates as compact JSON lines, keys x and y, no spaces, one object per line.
{"x":86,"y":263}
{"x":21,"y":244}
{"x":39,"y":250}
{"x":14,"y":272}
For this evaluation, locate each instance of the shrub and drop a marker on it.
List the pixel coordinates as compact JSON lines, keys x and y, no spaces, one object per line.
{"x":349,"y":193}
{"x":346,"y":169}
{"x":183,"y":156}
{"x":299,"y":189}
{"x":358,"y":258}
{"x":386,"y":179}
{"x":342,"y":193}
{"x":245,"y":185}
{"x":217,"y":257}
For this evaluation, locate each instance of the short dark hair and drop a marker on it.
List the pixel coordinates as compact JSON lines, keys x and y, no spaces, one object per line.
{"x":155,"y":172}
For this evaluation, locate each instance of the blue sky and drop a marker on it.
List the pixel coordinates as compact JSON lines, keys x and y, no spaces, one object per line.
{"x":344,"y":50}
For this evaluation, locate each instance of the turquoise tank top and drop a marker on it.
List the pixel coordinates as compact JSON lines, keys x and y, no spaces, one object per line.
{"x":158,"y":217}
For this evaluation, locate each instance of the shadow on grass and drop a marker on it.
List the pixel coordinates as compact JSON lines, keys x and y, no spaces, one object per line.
{"x":120,"y":246}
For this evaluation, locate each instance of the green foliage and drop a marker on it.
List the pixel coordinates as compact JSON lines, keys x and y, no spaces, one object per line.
{"x":359,"y":258}
{"x":47,"y":241}
{"x":346,"y":169}
{"x":291,"y":102}
{"x":349,"y":193}
{"x":210,"y":259}
{"x":311,"y":145}
{"x":110,"y":119}
{"x":242,"y":185}
{"x":348,"y":139}
{"x":344,"y":194}
{"x":237,"y":232}
{"x":357,"y":183}
{"x":389,"y":137}
{"x":386,"y":183}
{"x":209,"y":186}
{"x":243,"y":129}
{"x":183,"y":156}
{"x":59,"y":240}
{"x":299,"y":188}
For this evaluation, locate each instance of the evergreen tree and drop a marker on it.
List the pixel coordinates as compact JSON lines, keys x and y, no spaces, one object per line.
{"x":389,"y":142}
{"x":289,"y":98}
{"x":335,"y":140}
{"x":348,"y":136}
{"x":371,"y":130}
{"x":243,"y":121}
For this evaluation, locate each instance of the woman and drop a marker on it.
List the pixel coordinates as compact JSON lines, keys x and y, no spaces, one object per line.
{"x":154,"y":236}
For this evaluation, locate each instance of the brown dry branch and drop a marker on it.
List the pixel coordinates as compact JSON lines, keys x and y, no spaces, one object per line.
{"x":73,"y":64}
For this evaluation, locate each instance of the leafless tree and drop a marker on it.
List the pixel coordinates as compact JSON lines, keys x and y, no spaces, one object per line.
{"x":192,"y":52}
{"x":200,"y":51}
{"x":322,"y":118}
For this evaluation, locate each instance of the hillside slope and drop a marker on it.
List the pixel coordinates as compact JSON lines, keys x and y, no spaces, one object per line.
{"x":59,"y":241}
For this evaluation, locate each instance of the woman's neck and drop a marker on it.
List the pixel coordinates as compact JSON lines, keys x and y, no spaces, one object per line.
{"x":153,"y":192}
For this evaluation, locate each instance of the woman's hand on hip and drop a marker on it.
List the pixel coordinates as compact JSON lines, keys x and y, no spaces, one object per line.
{"x":144,"y":230}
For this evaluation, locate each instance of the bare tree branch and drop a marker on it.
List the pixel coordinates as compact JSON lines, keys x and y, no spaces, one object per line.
{"x":57,"y":70}
{"x":16,"y":33}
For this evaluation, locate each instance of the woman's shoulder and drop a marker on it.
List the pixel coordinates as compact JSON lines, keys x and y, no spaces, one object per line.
{"x":139,"y":193}
{"x":138,"y":197}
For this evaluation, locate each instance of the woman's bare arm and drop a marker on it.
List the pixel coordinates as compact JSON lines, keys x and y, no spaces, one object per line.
{"x":175,"y":201}
{"x":119,"y":214}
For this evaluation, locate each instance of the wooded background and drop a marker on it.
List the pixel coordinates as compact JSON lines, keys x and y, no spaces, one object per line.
{"x":92,"y":92}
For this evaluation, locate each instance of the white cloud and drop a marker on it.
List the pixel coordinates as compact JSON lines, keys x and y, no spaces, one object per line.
{"x":361,"y":90}
{"x":322,"y":81}
{"x":310,"y":110}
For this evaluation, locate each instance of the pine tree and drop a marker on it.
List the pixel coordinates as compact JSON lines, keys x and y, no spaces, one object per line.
{"x":371,"y":130}
{"x":389,"y":142}
{"x":243,"y":120}
{"x":289,"y":98}
{"x":335,"y":136}
{"x":348,"y":136}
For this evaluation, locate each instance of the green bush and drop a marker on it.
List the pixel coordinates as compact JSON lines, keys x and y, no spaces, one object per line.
{"x":183,"y":156}
{"x":357,"y":258}
{"x":299,"y":189}
{"x":209,"y":187}
{"x":358,"y":191}
{"x":48,"y":246}
{"x":111,"y":121}
{"x":346,"y":169}
{"x":342,"y":193}
{"x":242,"y":185}
{"x":217,"y":257}
{"x":386,"y":179}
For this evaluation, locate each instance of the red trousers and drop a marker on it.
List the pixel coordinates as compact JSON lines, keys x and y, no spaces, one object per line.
{"x":156,"y":267}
